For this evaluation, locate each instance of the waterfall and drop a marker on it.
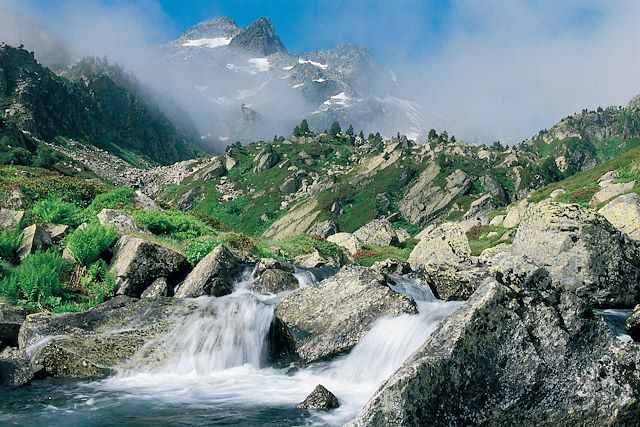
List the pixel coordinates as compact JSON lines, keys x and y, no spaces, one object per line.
{"x":216,"y":356}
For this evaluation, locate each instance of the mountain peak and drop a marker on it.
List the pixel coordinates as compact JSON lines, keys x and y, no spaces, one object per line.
{"x":219,"y":26}
{"x":259,"y":37}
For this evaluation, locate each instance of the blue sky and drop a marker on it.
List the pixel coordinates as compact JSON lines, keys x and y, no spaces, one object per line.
{"x":382,"y":26}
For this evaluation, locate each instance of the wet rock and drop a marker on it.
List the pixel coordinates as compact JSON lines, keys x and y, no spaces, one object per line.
{"x":633,"y":324}
{"x":453,"y":282}
{"x":391,"y":266}
{"x":320,"y":399}
{"x":212,"y":276}
{"x":159,"y":288}
{"x":273,"y":281}
{"x":137,"y":263}
{"x":92,"y":344}
{"x":10,"y":218}
{"x":445,"y":245}
{"x":271,"y":263}
{"x":34,"y":238}
{"x":522,"y":351}
{"x":347,"y":241}
{"x":624,"y":213}
{"x":582,"y":251}
{"x":11,"y":319}
{"x":121,"y":221}
{"x":323,"y":229}
{"x":378,"y":232}
{"x":329,"y":318}
{"x":15,"y":368}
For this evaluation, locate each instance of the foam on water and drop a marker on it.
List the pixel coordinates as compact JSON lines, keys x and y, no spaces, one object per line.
{"x":217,"y":356}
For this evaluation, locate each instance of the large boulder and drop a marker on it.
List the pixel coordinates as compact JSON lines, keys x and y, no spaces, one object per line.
{"x":94,"y":343}
{"x":378,"y":232}
{"x":514,"y":214}
{"x":327,"y":319}
{"x":445,"y":245}
{"x":273,"y":281}
{"x":583,"y":251}
{"x":215,"y":169}
{"x":347,"y":241}
{"x":609,"y":190}
{"x":265,"y":160}
{"x":453,"y":282}
{"x":320,"y":399}
{"x":10,"y":218}
{"x":323,"y":229}
{"x":137,"y":263}
{"x":633,"y":324}
{"x":624,"y":213}
{"x":15,"y":367}
{"x":522,"y":351}
{"x":478,"y":212}
{"x":212,"y":276}
{"x":11,"y":319}
{"x":34,"y":238}
{"x":119,"y":220}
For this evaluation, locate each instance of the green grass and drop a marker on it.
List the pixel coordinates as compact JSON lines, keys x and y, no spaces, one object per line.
{"x":176,"y":224}
{"x":368,"y":257}
{"x":118,"y":198}
{"x":479,"y":239}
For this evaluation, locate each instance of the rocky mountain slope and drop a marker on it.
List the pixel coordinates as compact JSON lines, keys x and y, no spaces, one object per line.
{"x":93,"y":103}
{"x":344,"y":83}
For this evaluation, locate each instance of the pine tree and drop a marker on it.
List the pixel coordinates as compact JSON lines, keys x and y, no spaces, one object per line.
{"x":296,"y":131}
{"x":361,"y":134}
{"x":335,"y":129}
{"x":304,"y":127}
{"x":433,"y":135}
{"x":350,"y":130}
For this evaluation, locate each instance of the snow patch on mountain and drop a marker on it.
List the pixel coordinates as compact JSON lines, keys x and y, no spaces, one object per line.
{"x":315,"y":64}
{"x":210,"y":43}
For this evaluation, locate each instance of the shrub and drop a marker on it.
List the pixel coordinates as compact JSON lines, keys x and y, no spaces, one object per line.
{"x":176,"y":224}
{"x":119,"y":198}
{"x":37,"y":281}
{"x":56,"y":211}
{"x":199,"y":248}
{"x":99,"y":283}
{"x":88,"y":244}
{"x":10,"y":242}
{"x":304,"y":244}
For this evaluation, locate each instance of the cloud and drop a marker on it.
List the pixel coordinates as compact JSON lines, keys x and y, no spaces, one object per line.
{"x":496,"y":69}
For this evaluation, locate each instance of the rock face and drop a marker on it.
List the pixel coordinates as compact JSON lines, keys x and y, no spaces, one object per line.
{"x":583,"y":251}
{"x":453,"y":282}
{"x":92,"y":343}
{"x":214,"y":170}
{"x":137,"y":263}
{"x":121,"y":221}
{"x":609,"y":190}
{"x":633,"y":324}
{"x":624,"y":213}
{"x":520,"y":352}
{"x":212,"y":276}
{"x":424,"y":199}
{"x":34,"y":238}
{"x":320,"y":399}
{"x":447,"y":244}
{"x":273,"y":281}
{"x":477,"y":213}
{"x":10,"y":218}
{"x":15,"y":368}
{"x":378,"y":232}
{"x":330,"y":318}
{"x":347,"y":241}
{"x":11,"y":319}
{"x":296,"y":221}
